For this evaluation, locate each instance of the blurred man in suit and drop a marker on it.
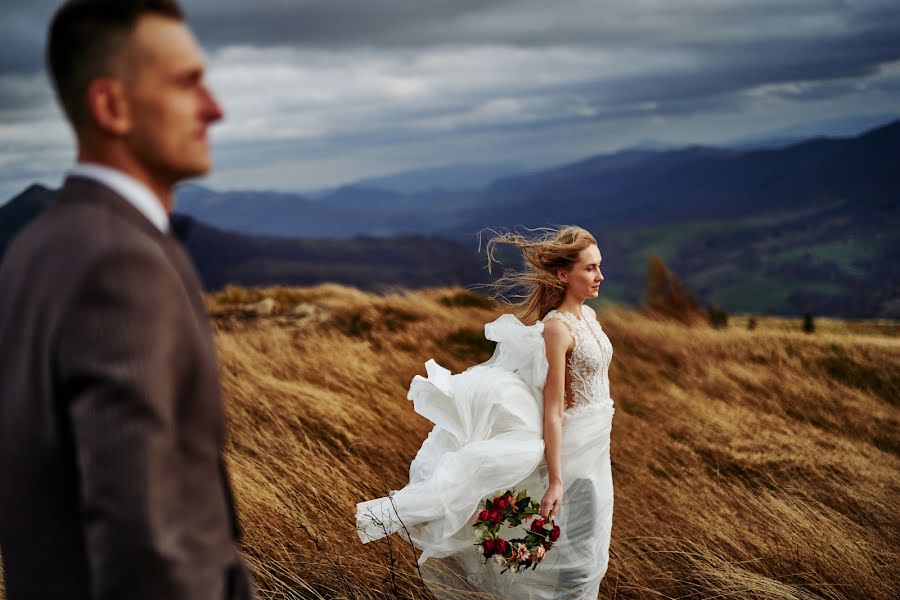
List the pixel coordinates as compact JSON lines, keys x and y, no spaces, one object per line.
{"x":112,"y":483}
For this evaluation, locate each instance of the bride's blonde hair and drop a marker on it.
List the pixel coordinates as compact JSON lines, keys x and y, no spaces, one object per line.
{"x":548,"y":251}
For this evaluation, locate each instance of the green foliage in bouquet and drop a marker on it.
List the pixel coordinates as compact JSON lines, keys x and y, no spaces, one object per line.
{"x":513,"y":508}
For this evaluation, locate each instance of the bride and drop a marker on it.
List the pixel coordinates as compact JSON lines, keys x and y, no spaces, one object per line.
{"x":536,"y":416}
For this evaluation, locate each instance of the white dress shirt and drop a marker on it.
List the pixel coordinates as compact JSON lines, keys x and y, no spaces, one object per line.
{"x":135,"y":192}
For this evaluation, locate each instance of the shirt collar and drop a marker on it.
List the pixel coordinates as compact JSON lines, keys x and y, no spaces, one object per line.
{"x":136,"y":193}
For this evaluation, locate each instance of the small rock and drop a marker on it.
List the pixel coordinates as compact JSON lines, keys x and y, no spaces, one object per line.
{"x":264,"y":307}
{"x":303,"y":310}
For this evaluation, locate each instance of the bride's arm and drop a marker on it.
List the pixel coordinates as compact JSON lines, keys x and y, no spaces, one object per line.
{"x":557,"y":340}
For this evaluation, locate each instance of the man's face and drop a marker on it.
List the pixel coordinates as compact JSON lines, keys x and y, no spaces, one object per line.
{"x":169,"y":104}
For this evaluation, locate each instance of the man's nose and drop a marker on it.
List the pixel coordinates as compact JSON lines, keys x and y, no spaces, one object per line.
{"x":212,"y":110}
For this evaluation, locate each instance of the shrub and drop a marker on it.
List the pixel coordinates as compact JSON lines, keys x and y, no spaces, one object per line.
{"x":665,"y":295}
{"x":466,"y":299}
{"x":718,"y":318}
{"x":808,"y":325}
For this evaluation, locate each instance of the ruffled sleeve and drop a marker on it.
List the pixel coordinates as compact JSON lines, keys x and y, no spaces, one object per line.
{"x":520,"y":348}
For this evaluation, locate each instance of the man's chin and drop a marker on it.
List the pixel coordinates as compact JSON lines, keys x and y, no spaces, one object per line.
{"x":193,"y":171}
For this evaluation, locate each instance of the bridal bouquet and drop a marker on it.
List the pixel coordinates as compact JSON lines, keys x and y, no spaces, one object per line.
{"x":514,"y":507}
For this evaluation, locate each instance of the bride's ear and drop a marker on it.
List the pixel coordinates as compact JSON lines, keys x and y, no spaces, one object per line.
{"x":562,"y":275}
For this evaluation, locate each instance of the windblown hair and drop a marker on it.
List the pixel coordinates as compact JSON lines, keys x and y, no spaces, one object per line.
{"x":538,"y":285}
{"x":85,"y":37}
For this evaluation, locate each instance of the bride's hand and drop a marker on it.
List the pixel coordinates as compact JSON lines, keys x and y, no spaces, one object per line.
{"x":551,"y":500}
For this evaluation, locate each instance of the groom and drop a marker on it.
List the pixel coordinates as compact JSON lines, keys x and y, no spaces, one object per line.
{"x":112,"y":482}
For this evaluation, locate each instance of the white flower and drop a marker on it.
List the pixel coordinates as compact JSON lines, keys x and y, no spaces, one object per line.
{"x":521,"y":552}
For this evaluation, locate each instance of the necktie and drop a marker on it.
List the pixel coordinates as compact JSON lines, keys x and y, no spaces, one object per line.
{"x":180,"y":226}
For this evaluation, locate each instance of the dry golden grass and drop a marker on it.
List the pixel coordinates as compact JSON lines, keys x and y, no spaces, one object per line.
{"x":319,"y":421}
{"x":823,"y":325}
{"x":747,"y":464}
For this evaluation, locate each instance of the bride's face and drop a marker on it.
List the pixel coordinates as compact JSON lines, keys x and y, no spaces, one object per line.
{"x":583,"y":280}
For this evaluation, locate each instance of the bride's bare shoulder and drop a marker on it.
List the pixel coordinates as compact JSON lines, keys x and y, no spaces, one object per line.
{"x":556,"y":333}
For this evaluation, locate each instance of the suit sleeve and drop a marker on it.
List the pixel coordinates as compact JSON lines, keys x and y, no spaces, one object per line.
{"x":120,"y":360}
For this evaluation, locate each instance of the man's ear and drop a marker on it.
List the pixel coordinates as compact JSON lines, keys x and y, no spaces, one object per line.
{"x":108,"y":107}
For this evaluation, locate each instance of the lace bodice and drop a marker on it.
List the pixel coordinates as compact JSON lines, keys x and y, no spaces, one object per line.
{"x":588,"y":364}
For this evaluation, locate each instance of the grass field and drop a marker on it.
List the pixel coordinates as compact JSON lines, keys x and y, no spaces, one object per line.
{"x":746,"y":464}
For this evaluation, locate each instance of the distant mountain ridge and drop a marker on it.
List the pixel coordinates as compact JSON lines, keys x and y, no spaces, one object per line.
{"x":16,"y":213}
{"x":627,"y":187}
{"x":366,"y":262}
{"x":444,"y":177}
{"x":224,"y":257}
{"x":813,"y":226}
{"x":345,"y":212}
{"x":703,"y":182}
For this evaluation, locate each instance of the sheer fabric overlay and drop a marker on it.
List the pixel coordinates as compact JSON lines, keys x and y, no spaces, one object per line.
{"x":487,"y":438}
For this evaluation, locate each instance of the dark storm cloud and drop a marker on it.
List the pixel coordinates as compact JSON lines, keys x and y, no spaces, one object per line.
{"x":337,"y":24}
{"x":305,"y":23}
{"x":393,"y":23}
{"x":332,"y":77}
{"x":22,"y":35}
{"x":333,"y":23}
{"x":23,"y":94}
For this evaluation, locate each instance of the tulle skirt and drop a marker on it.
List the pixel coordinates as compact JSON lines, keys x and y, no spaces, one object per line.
{"x":487,"y":439}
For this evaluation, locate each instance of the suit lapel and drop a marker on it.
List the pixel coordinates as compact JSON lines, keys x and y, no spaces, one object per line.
{"x":84,"y":190}
{"x":87,"y":191}
{"x":182,"y":263}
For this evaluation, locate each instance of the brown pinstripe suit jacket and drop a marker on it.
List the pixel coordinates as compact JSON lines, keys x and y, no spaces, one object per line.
{"x":112,"y":483}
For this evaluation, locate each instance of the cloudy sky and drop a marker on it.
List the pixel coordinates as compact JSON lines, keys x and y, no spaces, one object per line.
{"x":321,"y":92}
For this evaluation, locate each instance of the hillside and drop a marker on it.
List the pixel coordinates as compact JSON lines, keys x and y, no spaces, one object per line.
{"x":814,"y":226}
{"x":366,"y":262}
{"x":810,"y":227}
{"x":747,"y":464}
{"x":622,"y":190}
{"x":227,"y":257}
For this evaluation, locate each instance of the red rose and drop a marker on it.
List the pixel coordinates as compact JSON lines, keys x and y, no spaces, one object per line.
{"x":501,"y":502}
{"x":484,"y":515}
{"x":546,"y":545}
{"x":490,"y":545}
{"x":502,"y":546}
{"x":537,"y":526}
{"x":496,"y":516}
{"x":554,"y":534}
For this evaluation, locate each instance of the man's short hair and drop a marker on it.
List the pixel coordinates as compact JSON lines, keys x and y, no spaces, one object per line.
{"x":84,"y":37}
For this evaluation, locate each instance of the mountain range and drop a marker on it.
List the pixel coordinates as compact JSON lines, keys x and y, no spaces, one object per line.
{"x":811,"y":226}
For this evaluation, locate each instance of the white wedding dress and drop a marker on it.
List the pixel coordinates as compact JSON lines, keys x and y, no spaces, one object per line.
{"x":487,"y":438}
